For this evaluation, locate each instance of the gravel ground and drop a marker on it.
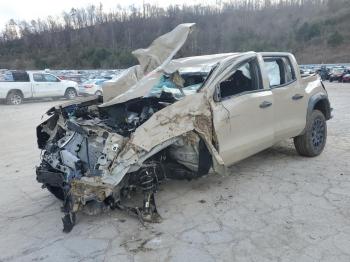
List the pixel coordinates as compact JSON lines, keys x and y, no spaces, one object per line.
{"x":276,"y":205}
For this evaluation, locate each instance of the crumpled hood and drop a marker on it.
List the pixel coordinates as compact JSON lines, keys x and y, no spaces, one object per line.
{"x":137,"y":81}
{"x":153,"y":58}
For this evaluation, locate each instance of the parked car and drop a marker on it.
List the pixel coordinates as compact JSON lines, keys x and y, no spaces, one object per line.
{"x":305,"y":73}
{"x":92,"y":87}
{"x":76,"y":78}
{"x":26,"y":85}
{"x":345,"y":72}
{"x":97,"y":153}
{"x":336,"y":74}
{"x":346,"y":78}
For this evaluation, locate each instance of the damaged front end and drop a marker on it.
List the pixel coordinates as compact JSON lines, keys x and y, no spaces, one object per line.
{"x":96,"y":153}
{"x":92,"y":156}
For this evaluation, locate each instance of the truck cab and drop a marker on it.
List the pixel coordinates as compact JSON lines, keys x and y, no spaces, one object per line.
{"x":261,"y":99}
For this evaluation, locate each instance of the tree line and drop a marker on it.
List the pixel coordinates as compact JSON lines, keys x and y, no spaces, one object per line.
{"x":315,"y":30}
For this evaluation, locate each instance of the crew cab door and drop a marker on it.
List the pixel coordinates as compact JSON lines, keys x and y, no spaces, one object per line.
{"x":46,"y":85}
{"x":290,"y":103}
{"x":243,"y":112}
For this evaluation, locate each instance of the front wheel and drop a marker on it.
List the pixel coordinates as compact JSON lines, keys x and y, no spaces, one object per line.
{"x":313,"y":141}
{"x":70,"y":93}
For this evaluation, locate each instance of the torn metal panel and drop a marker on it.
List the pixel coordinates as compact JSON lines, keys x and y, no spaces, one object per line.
{"x":164,"y":128}
{"x":143,"y":87}
{"x":172,"y":121}
{"x":163,"y":49}
{"x":157,"y":55}
{"x":125,"y":80}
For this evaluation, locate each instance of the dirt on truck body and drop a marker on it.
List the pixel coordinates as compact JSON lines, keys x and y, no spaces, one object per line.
{"x":158,"y":121}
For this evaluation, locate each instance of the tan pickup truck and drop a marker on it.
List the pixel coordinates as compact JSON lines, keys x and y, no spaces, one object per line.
{"x":176,"y":119}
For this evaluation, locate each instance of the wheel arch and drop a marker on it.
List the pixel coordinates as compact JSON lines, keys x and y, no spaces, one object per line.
{"x":320,"y":102}
{"x":70,"y":87}
{"x":15,"y":90}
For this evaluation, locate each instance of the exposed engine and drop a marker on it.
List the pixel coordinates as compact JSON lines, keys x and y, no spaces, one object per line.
{"x":98,"y":155}
{"x":81,"y":141}
{"x":74,"y":137}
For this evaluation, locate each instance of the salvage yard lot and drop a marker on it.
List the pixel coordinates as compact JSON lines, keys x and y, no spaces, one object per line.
{"x":275,"y":206}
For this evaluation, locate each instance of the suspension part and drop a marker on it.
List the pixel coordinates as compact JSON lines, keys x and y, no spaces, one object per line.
{"x":148,"y":182}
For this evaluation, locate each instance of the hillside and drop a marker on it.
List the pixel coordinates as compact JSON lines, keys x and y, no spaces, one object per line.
{"x":317,"y":31}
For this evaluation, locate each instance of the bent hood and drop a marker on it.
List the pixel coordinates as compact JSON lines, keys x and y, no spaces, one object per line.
{"x":137,"y":81}
{"x":157,"y":55}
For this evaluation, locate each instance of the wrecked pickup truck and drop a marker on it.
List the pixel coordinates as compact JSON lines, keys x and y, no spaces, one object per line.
{"x":152,"y":126}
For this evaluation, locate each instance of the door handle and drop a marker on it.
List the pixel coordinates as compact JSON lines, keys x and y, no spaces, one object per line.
{"x":265,"y":104}
{"x":297,"y":97}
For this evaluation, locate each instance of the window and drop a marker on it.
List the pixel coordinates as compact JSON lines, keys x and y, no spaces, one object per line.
{"x":273,"y":72}
{"x":193,"y":78}
{"x":289,"y":71}
{"x":38,"y":77}
{"x":246,"y":78}
{"x":279,"y":71}
{"x":50,"y":78}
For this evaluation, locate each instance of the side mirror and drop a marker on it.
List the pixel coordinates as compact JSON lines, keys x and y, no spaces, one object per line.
{"x":217,"y":95}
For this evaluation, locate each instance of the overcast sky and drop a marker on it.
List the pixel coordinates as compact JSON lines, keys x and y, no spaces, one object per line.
{"x":33,"y":9}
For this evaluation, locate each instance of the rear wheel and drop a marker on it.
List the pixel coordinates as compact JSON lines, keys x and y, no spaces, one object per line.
{"x":313,"y":141}
{"x":56,"y":191}
{"x":14,"y":98}
{"x":70,"y":93}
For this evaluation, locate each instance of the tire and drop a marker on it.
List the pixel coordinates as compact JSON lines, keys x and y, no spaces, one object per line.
{"x":331,"y":80}
{"x":71,"y":93}
{"x":14,"y":98}
{"x":313,"y":141}
{"x":56,"y":191}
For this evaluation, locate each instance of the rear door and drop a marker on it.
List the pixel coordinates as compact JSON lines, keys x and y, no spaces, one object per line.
{"x":39,"y":85}
{"x":289,"y":97}
{"x":46,"y":85}
{"x":243,"y":113}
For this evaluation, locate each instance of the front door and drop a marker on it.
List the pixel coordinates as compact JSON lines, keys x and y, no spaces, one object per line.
{"x":46,"y":85}
{"x":243,"y":113}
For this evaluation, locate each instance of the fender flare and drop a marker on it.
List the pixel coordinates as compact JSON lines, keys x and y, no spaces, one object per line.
{"x":15,"y":90}
{"x":314,"y":99}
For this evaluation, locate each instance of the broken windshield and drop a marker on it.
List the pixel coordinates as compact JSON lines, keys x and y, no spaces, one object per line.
{"x":179,"y":84}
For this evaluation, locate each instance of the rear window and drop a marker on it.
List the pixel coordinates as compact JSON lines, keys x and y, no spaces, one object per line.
{"x":15,"y":76}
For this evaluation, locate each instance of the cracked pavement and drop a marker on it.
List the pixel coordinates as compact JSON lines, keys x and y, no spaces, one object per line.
{"x":275,"y":206}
